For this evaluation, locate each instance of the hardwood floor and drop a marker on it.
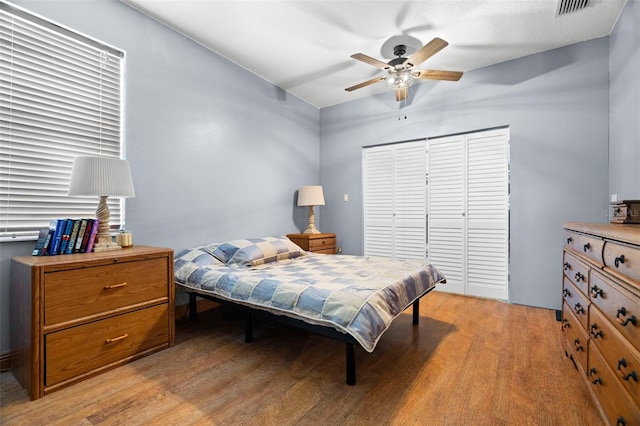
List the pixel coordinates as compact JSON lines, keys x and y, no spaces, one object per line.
{"x":469,"y":362}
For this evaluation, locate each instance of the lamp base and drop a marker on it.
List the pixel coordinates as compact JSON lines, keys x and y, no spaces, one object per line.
{"x":106,"y":246}
{"x":311,"y":230}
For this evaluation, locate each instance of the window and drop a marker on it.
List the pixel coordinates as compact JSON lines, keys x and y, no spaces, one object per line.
{"x":60,"y":96}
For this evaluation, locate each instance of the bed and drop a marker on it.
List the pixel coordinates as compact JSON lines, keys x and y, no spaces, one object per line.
{"x":353,"y":299}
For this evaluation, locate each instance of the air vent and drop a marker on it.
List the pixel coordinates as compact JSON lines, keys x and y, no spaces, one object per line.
{"x":570,"y":6}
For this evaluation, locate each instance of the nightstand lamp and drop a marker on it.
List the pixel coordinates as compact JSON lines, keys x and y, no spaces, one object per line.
{"x":311,"y":196}
{"x":102,"y":177}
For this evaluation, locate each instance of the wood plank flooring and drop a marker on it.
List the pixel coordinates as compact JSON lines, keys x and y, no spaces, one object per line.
{"x":469,"y":362}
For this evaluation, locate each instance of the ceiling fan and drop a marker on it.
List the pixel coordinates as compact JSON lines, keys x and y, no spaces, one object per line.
{"x":401,"y":70}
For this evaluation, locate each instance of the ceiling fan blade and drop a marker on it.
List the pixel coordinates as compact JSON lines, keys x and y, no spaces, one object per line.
{"x":371,"y":61}
{"x":366,"y":83}
{"x":401,"y":94}
{"x":440,"y":75}
{"x":427,"y":51}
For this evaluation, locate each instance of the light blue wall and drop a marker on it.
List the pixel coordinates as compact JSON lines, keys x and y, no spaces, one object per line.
{"x":556,"y":106}
{"x":624,"y":105}
{"x":196,"y":124}
{"x":216,"y":152}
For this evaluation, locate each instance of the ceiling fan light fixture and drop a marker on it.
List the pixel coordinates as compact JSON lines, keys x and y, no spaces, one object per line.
{"x":400,"y":79}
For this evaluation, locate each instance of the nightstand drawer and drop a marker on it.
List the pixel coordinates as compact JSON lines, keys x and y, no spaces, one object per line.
{"x":84,"y":292}
{"x":317,"y":244}
{"x":78,"y":350}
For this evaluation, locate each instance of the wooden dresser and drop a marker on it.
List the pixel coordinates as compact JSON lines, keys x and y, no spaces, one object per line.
{"x":316,"y":243}
{"x":75,"y":316}
{"x":601,"y":314}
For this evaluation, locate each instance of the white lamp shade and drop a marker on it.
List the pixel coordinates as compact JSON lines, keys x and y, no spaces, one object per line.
{"x":310,"y":196}
{"x":101,"y":176}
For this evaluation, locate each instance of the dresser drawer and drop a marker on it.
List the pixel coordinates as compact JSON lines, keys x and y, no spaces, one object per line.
{"x":85,"y":292}
{"x":576,"y":338}
{"x":318,"y":244}
{"x":622,"y":358}
{"x":81,"y":349}
{"x":577,"y":272}
{"x":619,"y":306}
{"x":618,"y":407}
{"x":622,"y":259}
{"x":576,"y":302}
{"x":586,"y":245}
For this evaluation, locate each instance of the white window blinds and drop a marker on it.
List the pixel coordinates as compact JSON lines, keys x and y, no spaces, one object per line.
{"x":60,"y":97}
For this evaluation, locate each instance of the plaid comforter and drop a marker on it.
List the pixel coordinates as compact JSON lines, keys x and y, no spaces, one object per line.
{"x":355,"y":295}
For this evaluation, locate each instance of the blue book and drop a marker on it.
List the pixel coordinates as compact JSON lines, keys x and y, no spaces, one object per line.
{"x":74,"y":235}
{"x":57,"y":237}
{"x":66,"y":234}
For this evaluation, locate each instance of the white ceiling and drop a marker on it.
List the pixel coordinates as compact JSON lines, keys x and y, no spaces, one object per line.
{"x":304,"y":47}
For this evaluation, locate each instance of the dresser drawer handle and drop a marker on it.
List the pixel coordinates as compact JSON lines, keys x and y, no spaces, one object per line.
{"x":595,"y":333}
{"x":111,"y":287}
{"x":565,"y":323}
{"x":622,"y":312}
{"x":567,"y":266}
{"x":618,"y":260}
{"x":579,"y":277}
{"x":578,"y":346}
{"x":578,"y":308}
{"x":595,"y":292}
{"x":569,"y":240}
{"x":598,"y":380}
{"x":622,"y":363}
{"x":620,"y":421}
{"x":587,"y":247}
{"x":116,"y":339}
{"x":566,"y":292}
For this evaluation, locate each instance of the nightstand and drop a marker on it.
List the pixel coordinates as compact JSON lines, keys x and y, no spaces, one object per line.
{"x":316,"y":243}
{"x":75,"y":316}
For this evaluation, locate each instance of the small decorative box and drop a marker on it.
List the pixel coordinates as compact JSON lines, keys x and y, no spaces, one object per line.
{"x":625,"y":211}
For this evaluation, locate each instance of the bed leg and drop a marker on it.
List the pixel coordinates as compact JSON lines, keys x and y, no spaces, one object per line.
{"x":416,"y":312}
{"x":248,"y":327}
{"x":351,"y":364}
{"x":193,"y":313}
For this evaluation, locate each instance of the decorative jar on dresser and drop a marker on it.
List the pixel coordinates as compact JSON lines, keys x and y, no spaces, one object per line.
{"x":316,"y":243}
{"x":75,"y":316}
{"x":601,"y":314}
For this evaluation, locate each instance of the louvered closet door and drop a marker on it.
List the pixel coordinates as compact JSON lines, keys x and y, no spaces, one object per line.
{"x":447,"y":240}
{"x":487,"y":214}
{"x":410,"y":208}
{"x":394,"y":189}
{"x":468,"y":212}
{"x":377,"y":166}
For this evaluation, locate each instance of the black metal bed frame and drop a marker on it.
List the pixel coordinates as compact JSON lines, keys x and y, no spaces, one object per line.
{"x":330,"y":332}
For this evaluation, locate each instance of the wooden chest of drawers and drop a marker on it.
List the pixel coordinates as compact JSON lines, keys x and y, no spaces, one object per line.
{"x":75,"y":316}
{"x":317,"y":243}
{"x":601,"y":314}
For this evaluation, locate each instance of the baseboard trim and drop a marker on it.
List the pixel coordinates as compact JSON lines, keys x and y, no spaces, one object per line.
{"x":5,"y":362}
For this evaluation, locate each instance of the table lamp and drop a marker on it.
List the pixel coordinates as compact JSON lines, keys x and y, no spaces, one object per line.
{"x":311,"y":196}
{"x":102,"y":177}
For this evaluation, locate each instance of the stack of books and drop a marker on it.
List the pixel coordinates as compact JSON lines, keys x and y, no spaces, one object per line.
{"x":66,"y":236}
